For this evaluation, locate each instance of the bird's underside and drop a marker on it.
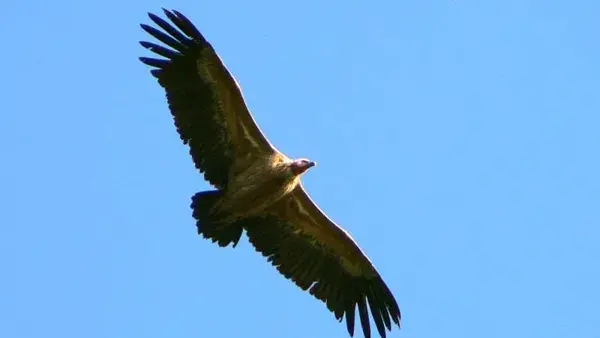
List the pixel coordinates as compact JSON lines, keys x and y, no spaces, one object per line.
{"x":257,"y":188}
{"x":254,"y":188}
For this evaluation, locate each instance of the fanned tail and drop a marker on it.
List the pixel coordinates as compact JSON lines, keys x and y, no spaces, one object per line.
{"x":208,"y":223}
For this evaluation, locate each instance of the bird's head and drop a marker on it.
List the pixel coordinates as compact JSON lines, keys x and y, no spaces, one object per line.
{"x":299,"y":166}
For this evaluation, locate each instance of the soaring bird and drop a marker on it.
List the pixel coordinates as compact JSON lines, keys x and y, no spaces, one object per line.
{"x":257,"y":187}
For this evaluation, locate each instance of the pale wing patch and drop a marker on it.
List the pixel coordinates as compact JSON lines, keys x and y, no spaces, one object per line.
{"x":223,"y":100}
{"x":312,"y":231}
{"x":248,"y":136}
{"x":231,"y":120}
{"x":246,"y":133}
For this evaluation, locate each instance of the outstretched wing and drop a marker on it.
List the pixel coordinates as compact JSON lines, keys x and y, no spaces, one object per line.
{"x":204,"y":98}
{"x":319,"y":256}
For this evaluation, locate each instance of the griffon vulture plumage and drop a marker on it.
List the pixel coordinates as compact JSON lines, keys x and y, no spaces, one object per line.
{"x":258,"y":188}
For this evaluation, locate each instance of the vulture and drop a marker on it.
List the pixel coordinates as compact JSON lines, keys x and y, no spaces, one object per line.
{"x":257,"y":188}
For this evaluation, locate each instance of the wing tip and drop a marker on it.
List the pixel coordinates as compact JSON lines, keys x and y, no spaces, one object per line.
{"x":373,"y":299}
{"x":152,"y":16}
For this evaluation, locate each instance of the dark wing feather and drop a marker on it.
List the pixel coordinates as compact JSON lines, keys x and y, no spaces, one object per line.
{"x":205,"y":100}
{"x":320,"y":257}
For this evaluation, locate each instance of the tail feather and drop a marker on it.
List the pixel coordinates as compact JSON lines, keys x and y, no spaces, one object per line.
{"x":208,"y":224}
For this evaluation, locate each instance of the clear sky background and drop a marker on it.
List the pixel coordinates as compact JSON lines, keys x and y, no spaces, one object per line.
{"x":458,"y":142}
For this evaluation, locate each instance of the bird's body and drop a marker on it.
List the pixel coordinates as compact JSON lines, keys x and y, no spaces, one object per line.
{"x":257,"y":185}
{"x":258,"y":189}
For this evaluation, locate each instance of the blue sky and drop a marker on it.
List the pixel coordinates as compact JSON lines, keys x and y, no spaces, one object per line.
{"x":457,"y":141}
